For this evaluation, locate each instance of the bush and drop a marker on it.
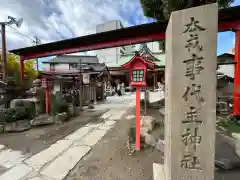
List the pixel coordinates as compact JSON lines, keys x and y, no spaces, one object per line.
{"x":58,"y":104}
{"x":16,"y":114}
{"x":230,"y":126}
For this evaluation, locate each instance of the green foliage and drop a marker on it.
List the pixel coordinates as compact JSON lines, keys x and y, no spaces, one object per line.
{"x":16,"y":114}
{"x":23,"y":110}
{"x":230,"y":126}
{"x":13,"y":69}
{"x":58,"y":104}
{"x":161,"y":9}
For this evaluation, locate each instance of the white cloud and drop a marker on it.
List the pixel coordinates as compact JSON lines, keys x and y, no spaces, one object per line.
{"x":53,"y":20}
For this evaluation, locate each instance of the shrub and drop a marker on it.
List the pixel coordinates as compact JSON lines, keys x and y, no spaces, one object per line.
{"x":16,"y":114}
{"x":58,"y":104}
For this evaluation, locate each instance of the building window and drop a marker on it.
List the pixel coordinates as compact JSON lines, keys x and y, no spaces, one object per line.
{"x":73,"y":65}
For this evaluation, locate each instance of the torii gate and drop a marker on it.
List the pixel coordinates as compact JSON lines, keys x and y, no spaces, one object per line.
{"x":229,"y":20}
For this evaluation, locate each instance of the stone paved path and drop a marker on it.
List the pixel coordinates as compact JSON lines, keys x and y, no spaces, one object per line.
{"x":56,"y":161}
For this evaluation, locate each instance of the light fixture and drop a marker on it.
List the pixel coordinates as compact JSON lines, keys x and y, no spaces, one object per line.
{"x":17,"y":21}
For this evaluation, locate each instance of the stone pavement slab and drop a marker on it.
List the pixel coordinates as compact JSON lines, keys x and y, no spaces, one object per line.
{"x":107,"y":125}
{"x":92,"y":138}
{"x":64,"y":163}
{"x":9,"y":158}
{"x":40,"y":159}
{"x":79,"y":133}
{"x":36,"y":178}
{"x":16,"y":173}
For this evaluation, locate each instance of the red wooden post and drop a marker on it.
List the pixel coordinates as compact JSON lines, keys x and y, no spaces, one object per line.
{"x":138,"y":97}
{"x":47,"y":95}
{"x":47,"y":100}
{"x":22,"y":68}
{"x":138,"y":71}
{"x":236,"y":94}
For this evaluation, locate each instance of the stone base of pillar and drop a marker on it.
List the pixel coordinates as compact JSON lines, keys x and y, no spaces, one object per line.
{"x":158,"y":172}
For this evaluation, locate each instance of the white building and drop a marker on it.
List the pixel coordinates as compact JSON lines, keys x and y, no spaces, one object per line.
{"x":111,"y":56}
{"x":64,"y":63}
{"x":226,"y":64}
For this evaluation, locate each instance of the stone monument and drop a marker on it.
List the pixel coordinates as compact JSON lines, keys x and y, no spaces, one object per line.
{"x":190,"y":99}
{"x":37,"y":94}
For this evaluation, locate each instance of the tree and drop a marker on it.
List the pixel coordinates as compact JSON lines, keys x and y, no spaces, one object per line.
{"x":161,"y":9}
{"x":13,"y":68}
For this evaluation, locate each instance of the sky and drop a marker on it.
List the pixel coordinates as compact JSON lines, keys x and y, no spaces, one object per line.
{"x":53,"y":20}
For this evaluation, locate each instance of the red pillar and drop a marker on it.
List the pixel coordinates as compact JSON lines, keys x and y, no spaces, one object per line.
{"x":236,"y":93}
{"x":22,"y":68}
{"x":47,"y":94}
{"x":138,"y":97}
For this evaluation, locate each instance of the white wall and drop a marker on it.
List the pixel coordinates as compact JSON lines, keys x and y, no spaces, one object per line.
{"x":110,"y":55}
{"x":45,"y":67}
{"x":108,"y":26}
{"x":154,"y":47}
{"x":58,"y":67}
{"x":227,"y":69}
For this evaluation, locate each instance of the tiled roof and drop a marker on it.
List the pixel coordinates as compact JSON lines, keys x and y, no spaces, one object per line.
{"x":72,"y":59}
{"x":126,"y":58}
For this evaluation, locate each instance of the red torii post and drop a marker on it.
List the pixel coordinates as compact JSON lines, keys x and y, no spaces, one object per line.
{"x":236,"y":93}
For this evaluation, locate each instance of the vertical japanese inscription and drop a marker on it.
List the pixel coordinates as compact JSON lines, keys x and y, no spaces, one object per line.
{"x":190,"y":135}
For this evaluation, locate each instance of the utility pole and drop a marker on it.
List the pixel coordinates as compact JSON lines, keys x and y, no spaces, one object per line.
{"x":80,"y":85}
{"x":36,"y":42}
{"x":18,"y":23}
{"x":4,"y":56}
